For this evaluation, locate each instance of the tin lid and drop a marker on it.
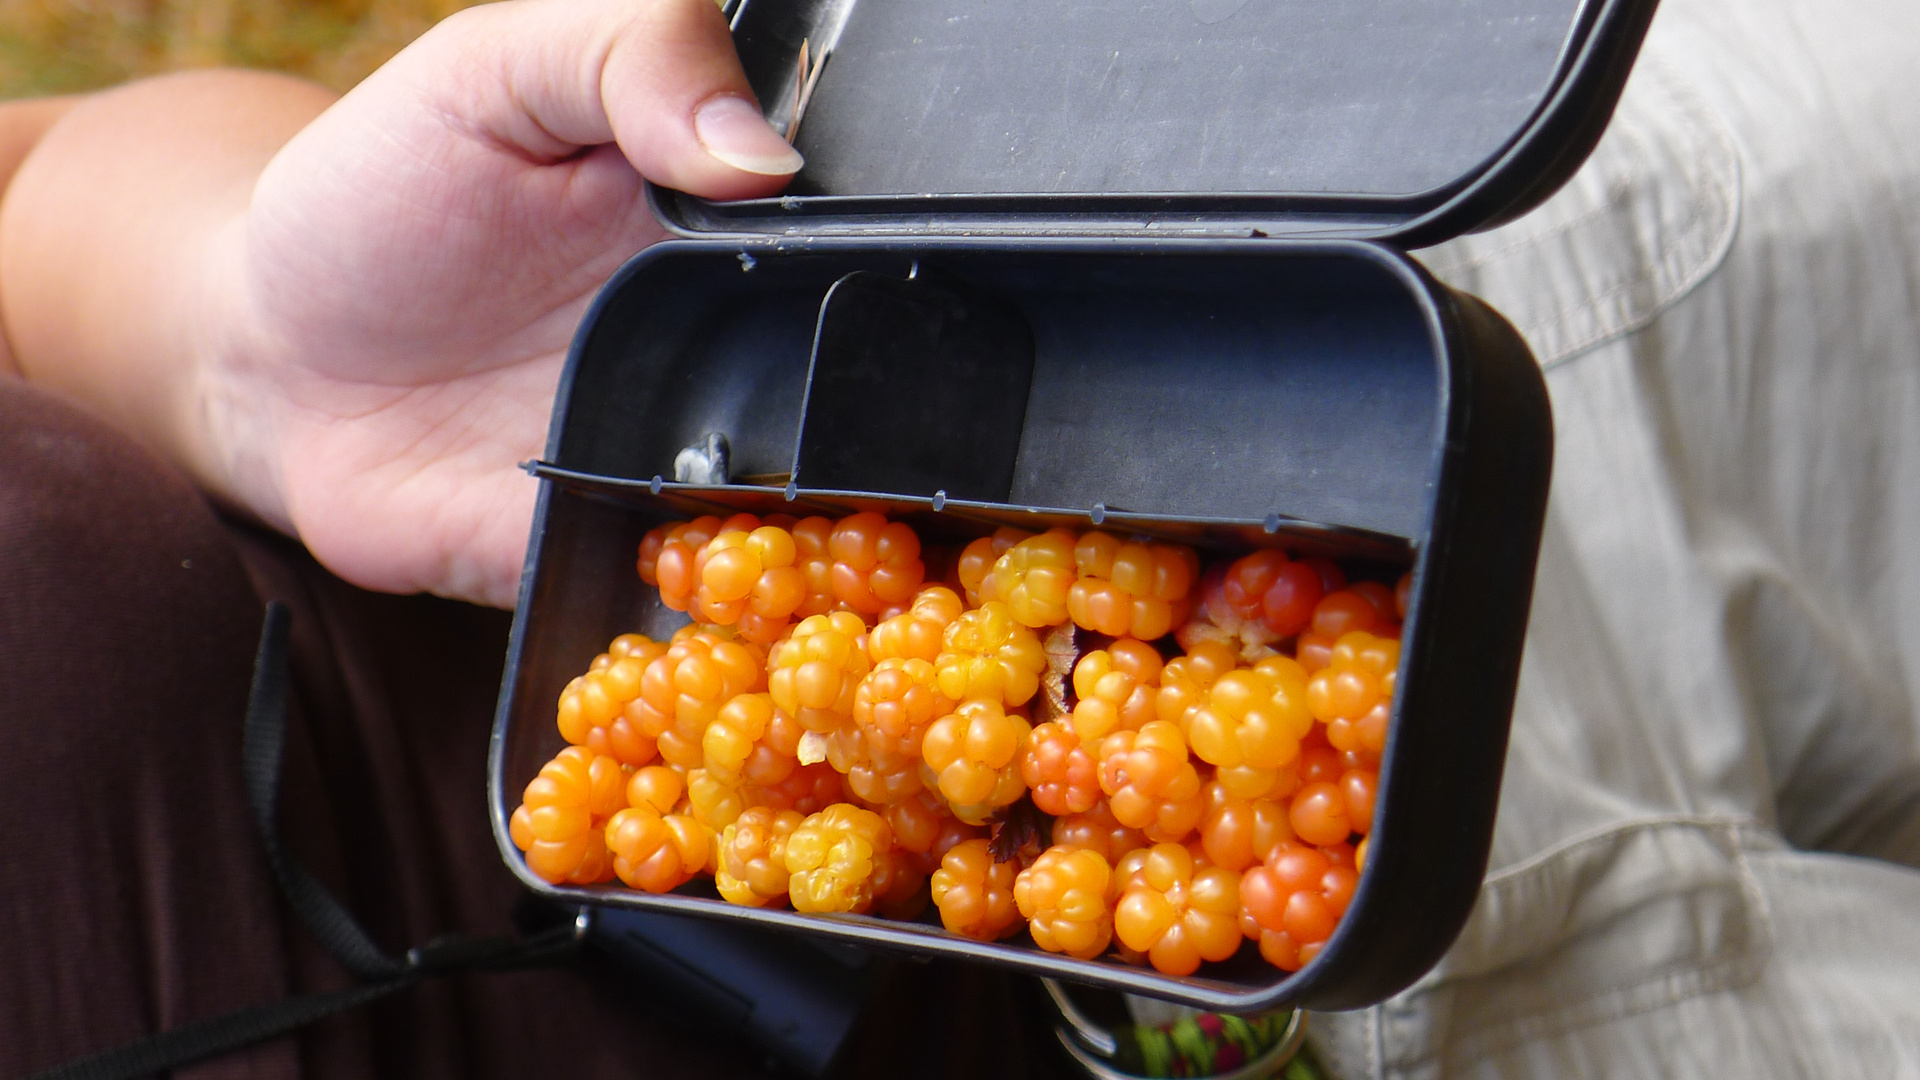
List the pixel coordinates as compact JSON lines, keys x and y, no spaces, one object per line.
{"x":1399,"y":120}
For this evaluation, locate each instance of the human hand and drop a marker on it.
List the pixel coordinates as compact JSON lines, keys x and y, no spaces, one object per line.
{"x":377,"y":328}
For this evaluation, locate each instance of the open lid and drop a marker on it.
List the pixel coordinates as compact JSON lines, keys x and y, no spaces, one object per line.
{"x":1402,"y":120}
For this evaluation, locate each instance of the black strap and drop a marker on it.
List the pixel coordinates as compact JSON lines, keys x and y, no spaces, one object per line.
{"x":324,"y":915}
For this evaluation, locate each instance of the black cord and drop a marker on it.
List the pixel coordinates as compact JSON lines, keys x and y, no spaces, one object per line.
{"x":323,"y":914}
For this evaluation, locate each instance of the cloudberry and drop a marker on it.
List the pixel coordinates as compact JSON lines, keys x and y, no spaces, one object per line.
{"x":575,"y":791}
{"x":1353,"y":693}
{"x":975,"y":893}
{"x":1318,"y":814}
{"x":920,"y":631}
{"x":924,"y":830}
{"x":579,"y":860}
{"x":654,"y":852}
{"x":1267,"y":587}
{"x":1097,"y":830}
{"x":989,"y":656}
{"x":815,"y":673}
{"x":656,"y":787}
{"x":808,"y":789}
{"x":715,"y":800}
{"x":1150,"y":783}
{"x":897,"y":700}
{"x":876,"y":563}
{"x":1185,"y":680}
{"x":593,"y":707}
{"x":704,"y":606}
{"x":1253,"y":717}
{"x":1366,"y":608}
{"x":974,"y":755}
{"x":1179,"y":914}
{"x":738,"y":729}
{"x":1215,"y":619}
{"x":751,"y":578}
{"x":810,"y":539}
{"x":1236,"y":833}
{"x":833,"y":857}
{"x":1063,"y":895}
{"x":753,"y":857}
{"x":684,"y":688}
{"x":667,"y":556}
{"x":1292,"y":902}
{"x":900,"y":892}
{"x":1117,"y":687}
{"x":1359,"y":786}
{"x":1403,"y":594}
{"x":1035,"y":576}
{"x":770,"y":758}
{"x":1059,"y":771}
{"x":975,"y":567}
{"x":874,"y":774}
{"x":1128,"y":588}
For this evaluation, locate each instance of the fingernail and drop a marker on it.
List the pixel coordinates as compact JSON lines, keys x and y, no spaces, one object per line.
{"x":732,"y":129}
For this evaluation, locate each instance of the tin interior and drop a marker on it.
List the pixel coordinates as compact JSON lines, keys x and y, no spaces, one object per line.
{"x":1297,"y":397}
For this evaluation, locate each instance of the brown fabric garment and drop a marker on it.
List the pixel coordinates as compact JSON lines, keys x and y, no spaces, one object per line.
{"x":134,"y":895}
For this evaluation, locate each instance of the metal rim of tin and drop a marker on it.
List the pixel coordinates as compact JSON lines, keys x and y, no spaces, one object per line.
{"x":1089,"y":1044}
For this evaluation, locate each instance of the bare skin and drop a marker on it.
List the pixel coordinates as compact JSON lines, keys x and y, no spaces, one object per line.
{"x":347,"y":318}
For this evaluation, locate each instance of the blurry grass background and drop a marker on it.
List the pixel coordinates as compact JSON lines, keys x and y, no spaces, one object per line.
{"x":61,"y":46}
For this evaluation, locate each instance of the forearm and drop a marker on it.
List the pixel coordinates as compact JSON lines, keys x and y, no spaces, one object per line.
{"x":120,"y":252}
{"x":22,"y":123}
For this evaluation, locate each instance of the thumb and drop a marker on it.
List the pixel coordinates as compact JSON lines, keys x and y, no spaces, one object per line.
{"x":658,"y":77}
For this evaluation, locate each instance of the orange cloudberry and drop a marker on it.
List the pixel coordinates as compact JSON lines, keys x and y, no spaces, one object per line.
{"x":593,"y":707}
{"x":751,"y":578}
{"x":667,"y":556}
{"x":1129,"y":588}
{"x":876,"y":563}
{"x":833,"y":858}
{"x":1215,"y":619}
{"x":1150,"y":783}
{"x":684,"y":688}
{"x":987,"y":655}
{"x":897,"y":700}
{"x":1063,"y":896}
{"x":1236,"y":832}
{"x":807,"y":788}
{"x":657,"y":852}
{"x":1353,"y":693}
{"x":714,"y":799}
{"x":974,"y":893}
{"x":1058,"y":770}
{"x":975,"y":566}
{"x":1253,"y":717}
{"x":1035,"y":576}
{"x":920,"y":631}
{"x":924,"y":830}
{"x":1098,"y":830}
{"x":974,"y":755}
{"x":1117,"y":687}
{"x":1185,"y":680}
{"x":1179,"y":914}
{"x":874,"y":774}
{"x":1292,"y":902}
{"x":815,"y":673}
{"x":753,"y":856}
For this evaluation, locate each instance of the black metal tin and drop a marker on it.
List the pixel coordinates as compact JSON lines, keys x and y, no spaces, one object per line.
{"x":1395,"y":120}
{"x":1328,"y":397}
{"x":1120,"y":264}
